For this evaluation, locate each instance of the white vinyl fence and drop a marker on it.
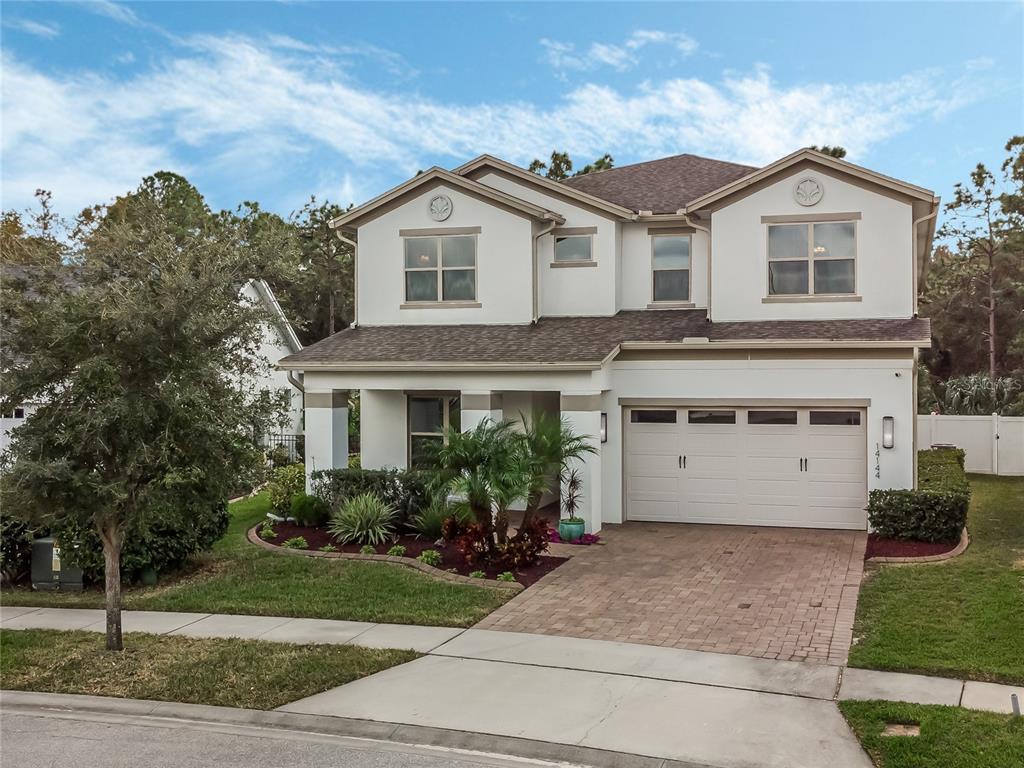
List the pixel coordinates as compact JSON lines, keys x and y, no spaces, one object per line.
{"x":994,"y":444}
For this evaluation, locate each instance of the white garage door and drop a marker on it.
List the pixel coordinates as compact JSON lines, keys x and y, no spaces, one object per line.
{"x":786,"y":466}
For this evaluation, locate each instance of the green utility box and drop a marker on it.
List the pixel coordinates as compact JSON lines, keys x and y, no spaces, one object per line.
{"x":49,"y":571}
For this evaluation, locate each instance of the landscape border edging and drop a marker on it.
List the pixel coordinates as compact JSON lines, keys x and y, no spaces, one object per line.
{"x":407,"y":562}
{"x":958,"y":550}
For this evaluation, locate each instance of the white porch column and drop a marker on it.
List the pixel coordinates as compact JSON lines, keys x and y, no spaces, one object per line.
{"x":326,"y":431}
{"x":583,"y":413}
{"x":479,"y":405}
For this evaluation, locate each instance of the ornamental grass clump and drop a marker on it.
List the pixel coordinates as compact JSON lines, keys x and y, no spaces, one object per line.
{"x":365,"y":519}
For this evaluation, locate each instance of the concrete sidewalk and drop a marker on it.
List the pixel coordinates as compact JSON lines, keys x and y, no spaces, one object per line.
{"x":278,"y":629}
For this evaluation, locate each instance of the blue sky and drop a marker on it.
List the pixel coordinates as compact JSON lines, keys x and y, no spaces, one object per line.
{"x":276,"y":101}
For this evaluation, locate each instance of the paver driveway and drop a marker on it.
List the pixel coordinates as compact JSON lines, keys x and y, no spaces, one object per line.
{"x":779,"y":593}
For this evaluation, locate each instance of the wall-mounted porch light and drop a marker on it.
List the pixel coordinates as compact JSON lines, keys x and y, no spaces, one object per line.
{"x":888,"y":431}
{"x":604,"y":427}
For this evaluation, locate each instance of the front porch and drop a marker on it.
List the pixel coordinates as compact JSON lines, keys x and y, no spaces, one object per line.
{"x":396,"y":425}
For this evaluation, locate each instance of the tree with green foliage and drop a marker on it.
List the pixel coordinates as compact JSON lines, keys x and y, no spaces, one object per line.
{"x":836,"y":151}
{"x":975,"y":289}
{"x":136,"y":349}
{"x":32,"y":238}
{"x":559,"y":167}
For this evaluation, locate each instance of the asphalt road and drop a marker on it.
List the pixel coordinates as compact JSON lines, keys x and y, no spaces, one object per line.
{"x":108,"y":741}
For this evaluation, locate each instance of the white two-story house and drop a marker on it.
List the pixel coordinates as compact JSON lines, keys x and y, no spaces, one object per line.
{"x":739,"y":343}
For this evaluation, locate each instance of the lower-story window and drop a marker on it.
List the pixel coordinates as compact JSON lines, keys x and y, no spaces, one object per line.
{"x":430,"y":418}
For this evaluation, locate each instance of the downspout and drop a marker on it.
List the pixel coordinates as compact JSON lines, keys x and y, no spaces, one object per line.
{"x":706,"y":231}
{"x":355,"y":276}
{"x":536,"y":269}
{"x":917,"y":267}
{"x":296,"y":382}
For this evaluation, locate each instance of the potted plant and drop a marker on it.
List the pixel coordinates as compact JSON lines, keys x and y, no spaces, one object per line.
{"x":571,"y":527}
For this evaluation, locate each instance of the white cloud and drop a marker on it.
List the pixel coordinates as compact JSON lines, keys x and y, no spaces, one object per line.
{"x":116,"y":11}
{"x":273,"y":116}
{"x":45,"y":30}
{"x":621,"y":56}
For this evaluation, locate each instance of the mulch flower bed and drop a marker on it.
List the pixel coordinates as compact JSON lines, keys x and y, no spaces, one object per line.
{"x":317,"y":538}
{"x":880,"y":547}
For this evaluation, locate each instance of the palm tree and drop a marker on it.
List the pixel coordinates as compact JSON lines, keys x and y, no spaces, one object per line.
{"x":549,"y":446}
{"x":486,"y":466}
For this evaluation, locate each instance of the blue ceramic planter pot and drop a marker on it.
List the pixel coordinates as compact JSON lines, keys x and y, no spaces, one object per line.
{"x":570,"y":531}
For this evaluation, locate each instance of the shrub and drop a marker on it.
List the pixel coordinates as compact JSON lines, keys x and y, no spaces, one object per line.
{"x":267,"y":531}
{"x":506,"y":576}
{"x":403,"y":490}
{"x":367,"y":519}
{"x":935,"y":511}
{"x":15,"y":549}
{"x":309,"y":510}
{"x":354,"y":461}
{"x":170,"y":538}
{"x":526,"y":546}
{"x":328,"y":548}
{"x":284,"y":483}
{"x":476,"y":574}
{"x":429,"y":523}
{"x":296,"y":542}
{"x":430,"y":557}
{"x":397,"y":551}
{"x":367,"y":549}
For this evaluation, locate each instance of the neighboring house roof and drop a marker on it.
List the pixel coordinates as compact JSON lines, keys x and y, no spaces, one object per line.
{"x":480,"y":166}
{"x":660,"y":186}
{"x":585,"y":342}
{"x":433,"y":177}
{"x":281,"y":322}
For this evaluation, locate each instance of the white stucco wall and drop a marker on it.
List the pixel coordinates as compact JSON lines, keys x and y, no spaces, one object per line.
{"x":7,"y":425}
{"x":637,"y":279}
{"x":382,"y":429}
{"x":884,"y":267}
{"x":574,"y":290}
{"x":890,"y":395}
{"x":271,"y":349}
{"x":504,"y":272}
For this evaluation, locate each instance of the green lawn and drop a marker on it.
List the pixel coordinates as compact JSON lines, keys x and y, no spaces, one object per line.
{"x":230,"y":673}
{"x":241,"y":578}
{"x":950,"y":737}
{"x":960,"y":618}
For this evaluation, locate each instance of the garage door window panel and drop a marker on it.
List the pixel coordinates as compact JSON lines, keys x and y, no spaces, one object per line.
{"x":711,"y":417}
{"x":771,"y":417}
{"x":653,"y":417}
{"x":835,"y":418}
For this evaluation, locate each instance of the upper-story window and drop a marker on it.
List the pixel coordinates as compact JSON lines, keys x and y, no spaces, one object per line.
{"x":813,"y":258}
{"x":440,"y":268}
{"x":574,"y":248}
{"x":670,"y":264}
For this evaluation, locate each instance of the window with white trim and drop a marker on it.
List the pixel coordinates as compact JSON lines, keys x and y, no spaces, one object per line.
{"x":440,"y":268}
{"x":816,"y":258}
{"x":430,"y":418}
{"x":574,"y":247}
{"x":670,"y":267}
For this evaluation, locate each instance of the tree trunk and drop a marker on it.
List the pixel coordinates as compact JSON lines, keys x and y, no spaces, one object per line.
{"x":330,"y":312}
{"x":110,"y":533}
{"x":991,"y":330}
{"x":501,"y":526}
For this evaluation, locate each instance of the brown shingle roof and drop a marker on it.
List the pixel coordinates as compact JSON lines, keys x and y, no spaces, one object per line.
{"x":578,"y":340}
{"x":660,"y":186}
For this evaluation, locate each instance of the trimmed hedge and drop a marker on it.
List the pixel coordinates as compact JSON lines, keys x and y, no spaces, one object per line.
{"x":935,"y":511}
{"x":403,"y":489}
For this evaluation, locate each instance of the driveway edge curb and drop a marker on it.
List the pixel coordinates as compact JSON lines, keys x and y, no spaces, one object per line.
{"x":30,"y":702}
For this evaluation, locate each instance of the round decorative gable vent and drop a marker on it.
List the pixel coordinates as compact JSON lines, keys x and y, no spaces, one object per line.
{"x":440,"y":207}
{"x":808,"y":191}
